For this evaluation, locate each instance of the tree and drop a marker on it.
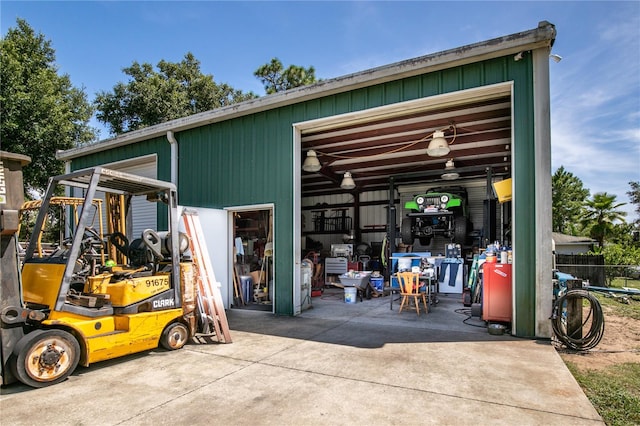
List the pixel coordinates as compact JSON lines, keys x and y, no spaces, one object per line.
{"x":41,"y":112}
{"x":634,"y":196}
{"x":151,"y":97}
{"x":277,"y":79}
{"x":568,"y":197}
{"x":599,"y":215}
{"x":622,"y":233}
{"x":618,"y":258}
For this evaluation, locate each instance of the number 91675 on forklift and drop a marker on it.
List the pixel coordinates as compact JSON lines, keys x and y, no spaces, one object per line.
{"x":92,"y":297}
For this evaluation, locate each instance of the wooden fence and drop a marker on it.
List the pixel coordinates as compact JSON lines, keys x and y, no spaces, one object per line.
{"x":584,"y":266}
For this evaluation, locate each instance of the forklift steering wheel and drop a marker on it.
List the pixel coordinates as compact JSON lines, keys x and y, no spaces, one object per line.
{"x":92,"y":237}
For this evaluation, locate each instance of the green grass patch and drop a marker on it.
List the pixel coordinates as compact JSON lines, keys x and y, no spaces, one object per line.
{"x":625,"y":282}
{"x":614,"y":392}
{"x":617,"y":306}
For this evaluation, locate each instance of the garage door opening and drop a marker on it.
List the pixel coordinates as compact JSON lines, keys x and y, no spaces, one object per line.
{"x":351,"y":230}
{"x":253,"y":259}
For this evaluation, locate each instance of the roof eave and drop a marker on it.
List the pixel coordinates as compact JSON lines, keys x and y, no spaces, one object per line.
{"x":541,"y":37}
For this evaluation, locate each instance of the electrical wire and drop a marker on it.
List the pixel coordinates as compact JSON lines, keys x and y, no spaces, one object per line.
{"x":392,"y":151}
{"x":595,"y":316}
{"x":467,"y":312}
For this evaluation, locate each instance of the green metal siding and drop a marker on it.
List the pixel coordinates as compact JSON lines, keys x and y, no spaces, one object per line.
{"x":248,"y":160}
{"x":525,"y":206}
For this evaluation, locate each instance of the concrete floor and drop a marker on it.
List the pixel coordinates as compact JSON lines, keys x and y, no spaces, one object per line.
{"x":337,"y":363}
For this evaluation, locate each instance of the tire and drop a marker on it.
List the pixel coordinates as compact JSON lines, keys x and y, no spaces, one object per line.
{"x":460,"y":229}
{"x":175,"y":336}
{"x":45,"y":357}
{"x":425,"y":241}
{"x":406,"y":230}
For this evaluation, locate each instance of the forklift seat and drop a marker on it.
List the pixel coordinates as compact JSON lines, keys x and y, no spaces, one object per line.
{"x":139,"y":254}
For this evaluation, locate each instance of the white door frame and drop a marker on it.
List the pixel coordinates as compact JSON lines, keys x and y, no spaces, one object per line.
{"x":230,"y":260}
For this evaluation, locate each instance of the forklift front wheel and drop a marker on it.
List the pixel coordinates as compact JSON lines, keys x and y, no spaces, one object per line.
{"x":175,"y":336}
{"x":45,"y":357}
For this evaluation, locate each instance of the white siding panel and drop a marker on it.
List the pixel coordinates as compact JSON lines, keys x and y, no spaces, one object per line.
{"x":144,"y":213}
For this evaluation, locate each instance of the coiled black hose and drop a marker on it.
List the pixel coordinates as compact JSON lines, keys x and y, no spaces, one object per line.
{"x":577,"y":341}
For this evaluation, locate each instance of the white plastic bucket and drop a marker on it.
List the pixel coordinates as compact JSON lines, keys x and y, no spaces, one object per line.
{"x":350,"y":294}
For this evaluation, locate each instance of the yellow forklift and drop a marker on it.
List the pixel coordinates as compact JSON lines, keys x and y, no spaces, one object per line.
{"x":91,"y":299}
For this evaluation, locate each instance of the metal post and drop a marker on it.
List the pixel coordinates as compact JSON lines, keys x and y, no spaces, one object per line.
{"x":574,"y":311}
{"x":391,"y":227}
{"x":11,"y":199}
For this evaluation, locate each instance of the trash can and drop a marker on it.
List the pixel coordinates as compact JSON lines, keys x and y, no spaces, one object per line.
{"x":377,"y":283}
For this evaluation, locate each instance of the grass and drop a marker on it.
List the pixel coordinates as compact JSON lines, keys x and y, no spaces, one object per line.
{"x":615,"y":306}
{"x":614,"y":391}
{"x":625,"y":282}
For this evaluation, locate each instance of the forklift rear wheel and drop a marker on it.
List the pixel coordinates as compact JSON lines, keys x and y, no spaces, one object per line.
{"x":45,"y":357}
{"x":175,"y":336}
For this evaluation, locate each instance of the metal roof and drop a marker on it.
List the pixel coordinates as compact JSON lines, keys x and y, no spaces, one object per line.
{"x":114,"y":181}
{"x":542,"y":36}
{"x":565,"y":239}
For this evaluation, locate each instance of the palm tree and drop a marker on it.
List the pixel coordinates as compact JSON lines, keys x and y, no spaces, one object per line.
{"x":599,"y":214}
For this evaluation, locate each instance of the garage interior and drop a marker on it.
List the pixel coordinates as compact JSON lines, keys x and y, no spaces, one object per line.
{"x":387,"y":159}
{"x":253,"y":259}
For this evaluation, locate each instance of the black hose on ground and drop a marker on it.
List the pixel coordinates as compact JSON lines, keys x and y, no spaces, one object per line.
{"x":579,"y":340}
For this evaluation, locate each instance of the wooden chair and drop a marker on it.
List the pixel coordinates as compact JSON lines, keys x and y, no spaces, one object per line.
{"x":410,"y":288}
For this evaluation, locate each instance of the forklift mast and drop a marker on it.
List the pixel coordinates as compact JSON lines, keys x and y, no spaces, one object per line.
{"x":11,"y":199}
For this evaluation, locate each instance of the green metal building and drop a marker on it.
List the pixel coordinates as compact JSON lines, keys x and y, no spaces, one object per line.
{"x":249,"y":155}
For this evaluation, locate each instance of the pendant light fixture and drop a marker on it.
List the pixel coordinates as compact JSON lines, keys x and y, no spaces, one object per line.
{"x":450,"y":172}
{"x":311,"y":163}
{"x":347,"y":181}
{"x":438,"y":147}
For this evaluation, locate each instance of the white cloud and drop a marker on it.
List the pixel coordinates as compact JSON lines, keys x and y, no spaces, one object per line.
{"x":595,"y":109}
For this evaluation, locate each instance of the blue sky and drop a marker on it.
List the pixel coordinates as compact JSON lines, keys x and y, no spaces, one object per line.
{"x":595,"y":89}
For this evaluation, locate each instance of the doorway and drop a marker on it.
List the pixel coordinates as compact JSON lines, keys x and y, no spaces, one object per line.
{"x":253,"y":258}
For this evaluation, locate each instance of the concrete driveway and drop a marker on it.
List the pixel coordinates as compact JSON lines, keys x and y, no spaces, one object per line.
{"x":336,"y":364}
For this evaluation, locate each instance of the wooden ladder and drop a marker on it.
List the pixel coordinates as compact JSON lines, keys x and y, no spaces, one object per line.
{"x":210,"y":302}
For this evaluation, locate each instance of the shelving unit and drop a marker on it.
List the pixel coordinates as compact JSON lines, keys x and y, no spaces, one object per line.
{"x":335,"y":225}
{"x":331,"y":224}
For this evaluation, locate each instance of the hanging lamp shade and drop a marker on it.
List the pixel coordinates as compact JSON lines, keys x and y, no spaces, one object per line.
{"x":438,"y":147}
{"x":347,"y":181}
{"x":311,"y":163}
{"x":450,"y":172}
